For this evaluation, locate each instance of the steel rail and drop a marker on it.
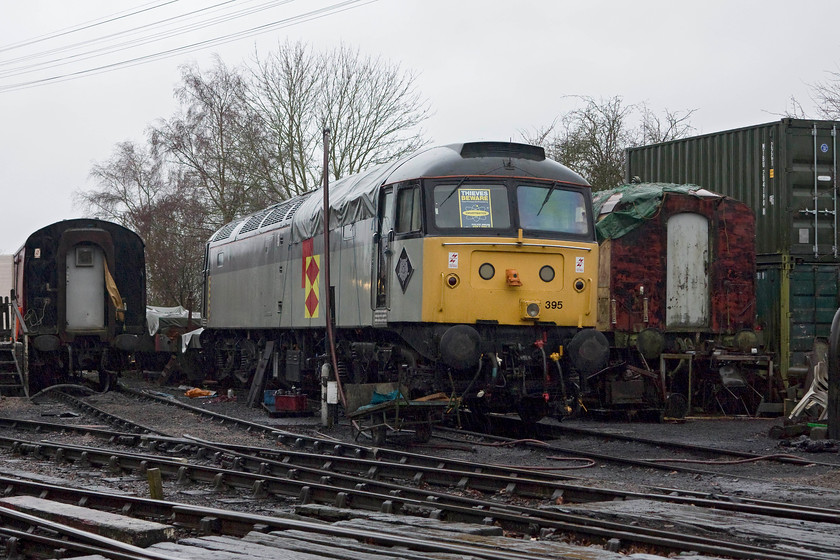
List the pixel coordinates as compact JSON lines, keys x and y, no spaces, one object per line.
{"x":460,"y":508}
{"x":252,"y":459}
{"x":224,"y":522}
{"x":641,"y":463}
{"x":553,"y":430}
{"x":83,"y":537}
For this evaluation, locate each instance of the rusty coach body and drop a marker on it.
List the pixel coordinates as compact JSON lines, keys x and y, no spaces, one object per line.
{"x":677,"y":281}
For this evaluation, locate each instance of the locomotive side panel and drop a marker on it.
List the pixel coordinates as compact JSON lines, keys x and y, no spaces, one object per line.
{"x":244,"y":280}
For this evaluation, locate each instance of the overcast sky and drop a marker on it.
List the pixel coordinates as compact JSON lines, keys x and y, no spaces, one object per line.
{"x":490,"y":68}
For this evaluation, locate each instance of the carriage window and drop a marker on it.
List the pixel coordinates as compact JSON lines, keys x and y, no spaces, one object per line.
{"x":551,"y":208}
{"x":408,"y":210}
{"x":84,"y":256}
{"x":474,"y":206}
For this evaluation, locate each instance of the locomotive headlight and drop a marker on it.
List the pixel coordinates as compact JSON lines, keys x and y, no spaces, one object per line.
{"x":579,"y":285}
{"x":546,"y":274}
{"x":487,"y":271}
{"x":529,"y":309}
{"x":452,"y":280}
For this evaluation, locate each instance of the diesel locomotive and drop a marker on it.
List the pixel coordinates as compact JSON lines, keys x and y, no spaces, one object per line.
{"x":80,"y":289}
{"x":469,"y":269}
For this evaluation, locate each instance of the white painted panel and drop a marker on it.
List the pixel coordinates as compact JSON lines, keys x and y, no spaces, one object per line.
{"x":85,"y":288}
{"x":687,"y":282}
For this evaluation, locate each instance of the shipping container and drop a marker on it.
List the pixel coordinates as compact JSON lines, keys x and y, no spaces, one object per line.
{"x":786,"y":171}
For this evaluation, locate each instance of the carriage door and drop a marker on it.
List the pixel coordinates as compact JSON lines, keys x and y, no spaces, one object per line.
{"x":687,"y":282}
{"x":85,"y":288}
{"x":382,"y":246}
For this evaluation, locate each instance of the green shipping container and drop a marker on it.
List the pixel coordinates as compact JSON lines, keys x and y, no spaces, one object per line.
{"x":786,"y":171}
{"x":795,"y":303}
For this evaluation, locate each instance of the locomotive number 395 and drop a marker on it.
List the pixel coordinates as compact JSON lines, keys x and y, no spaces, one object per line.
{"x":554,"y":304}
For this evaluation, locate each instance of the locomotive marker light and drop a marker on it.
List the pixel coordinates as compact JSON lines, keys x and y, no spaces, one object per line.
{"x":486,"y":271}
{"x":546,"y":274}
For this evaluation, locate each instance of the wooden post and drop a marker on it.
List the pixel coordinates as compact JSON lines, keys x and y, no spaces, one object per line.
{"x":155,"y":484}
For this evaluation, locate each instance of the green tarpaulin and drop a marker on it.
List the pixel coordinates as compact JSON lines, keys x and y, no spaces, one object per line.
{"x":620,"y":210}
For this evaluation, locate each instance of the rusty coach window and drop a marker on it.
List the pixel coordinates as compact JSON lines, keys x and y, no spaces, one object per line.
{"x":551,"y":208}
{"x":473,"y":206}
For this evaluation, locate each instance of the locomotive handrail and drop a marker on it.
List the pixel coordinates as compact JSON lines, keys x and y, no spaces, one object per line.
{"x":516,"y":244}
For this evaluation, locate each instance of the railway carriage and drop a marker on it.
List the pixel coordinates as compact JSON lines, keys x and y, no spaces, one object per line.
{"x":469,"y":269}
{"x":677,"y":298}
{"x":80,"y":286}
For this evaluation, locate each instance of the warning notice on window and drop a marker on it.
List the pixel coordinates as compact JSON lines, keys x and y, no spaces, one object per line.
{"x":475,"y":208}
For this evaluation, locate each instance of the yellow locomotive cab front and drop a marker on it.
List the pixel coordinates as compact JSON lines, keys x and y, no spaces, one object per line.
{"x":509,"y":281}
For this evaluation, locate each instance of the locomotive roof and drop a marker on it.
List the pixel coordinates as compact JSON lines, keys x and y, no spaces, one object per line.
{"x":622,"y":209}
{"x":354,"y":198}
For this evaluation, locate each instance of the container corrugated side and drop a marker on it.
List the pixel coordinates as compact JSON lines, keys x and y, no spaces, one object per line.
{"x":785,"y":171}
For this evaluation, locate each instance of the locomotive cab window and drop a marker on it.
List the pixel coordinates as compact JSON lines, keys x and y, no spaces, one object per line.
{"x":552,"y":208}
{"x":473,"y":206}
{"x":408,"y":210}
{"x":220,"y":259}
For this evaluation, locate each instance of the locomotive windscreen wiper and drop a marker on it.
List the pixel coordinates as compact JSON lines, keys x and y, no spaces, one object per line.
{"x":453,"y":191}
{"x":547,"y":196}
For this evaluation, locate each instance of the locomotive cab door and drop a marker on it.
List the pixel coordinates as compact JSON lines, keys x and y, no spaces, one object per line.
{"x":383,"y":240}
{"x":687,"y":281}
{"x":85,"y":299}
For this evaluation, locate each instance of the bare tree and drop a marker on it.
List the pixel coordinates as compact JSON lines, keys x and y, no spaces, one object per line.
{"x":373,"y":109}
{"x":371,"y":106}
{"x":826,"y":97}
{"x":206,"y":139}
{"x":592,"y":139}
{"x":656,"y":129}
{"x":135,"y":190}
{"x":284,"y":94}
{"x":130,"y":183}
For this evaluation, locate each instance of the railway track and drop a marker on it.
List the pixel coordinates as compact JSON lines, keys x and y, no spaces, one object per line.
{"x":318,"y":470}
{"x":549,"y":432}
{"x":521,"y":483}
{"x":24,"y":532}
{"x":326,"y":487}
